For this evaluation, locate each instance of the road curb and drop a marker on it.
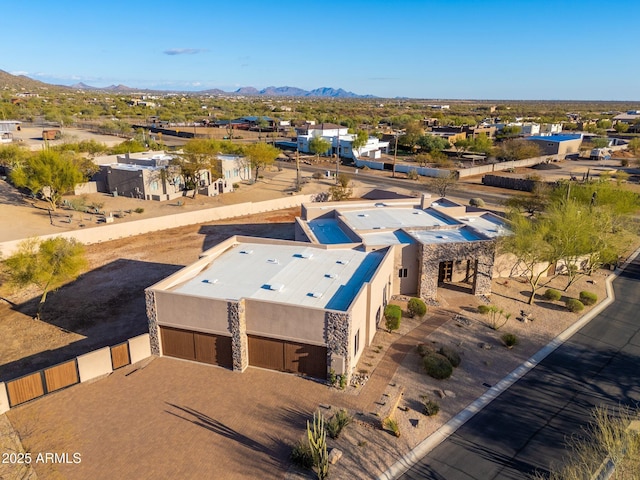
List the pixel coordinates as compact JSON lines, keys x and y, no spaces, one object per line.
{"x":449,"y":428}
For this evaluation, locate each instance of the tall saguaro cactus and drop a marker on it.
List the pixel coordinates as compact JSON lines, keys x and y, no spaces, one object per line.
{"x":317,"y":435}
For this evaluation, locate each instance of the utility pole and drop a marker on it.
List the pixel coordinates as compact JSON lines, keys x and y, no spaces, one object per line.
{"x":298,"y":188}
{"x":338,"y":156}
{"x":395,"y":156}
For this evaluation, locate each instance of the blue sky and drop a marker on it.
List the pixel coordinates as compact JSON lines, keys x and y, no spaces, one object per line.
{"x":518,"y":49}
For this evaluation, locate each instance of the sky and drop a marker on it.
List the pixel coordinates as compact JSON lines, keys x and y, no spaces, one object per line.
{"x":444,"y":49}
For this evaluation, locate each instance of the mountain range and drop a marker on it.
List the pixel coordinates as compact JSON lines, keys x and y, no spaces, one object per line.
{"x":326,"y":92}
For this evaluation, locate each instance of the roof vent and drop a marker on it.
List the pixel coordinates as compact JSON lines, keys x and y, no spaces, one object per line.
{"x":379,"y":205}
{"x":377,"y":228}
{"x":273,"y":260}
{"x":342,"y":262}
{"x":331,"y":275}
{"x":418,"y":212}
{"x":441,"y":236}
{"x":276,"y":287}
{"x":363,"y":214}
{"x":304,"y":255}
{"x":315,"y":294}
{"x":213,"y":281}
{"x":246,"y":252}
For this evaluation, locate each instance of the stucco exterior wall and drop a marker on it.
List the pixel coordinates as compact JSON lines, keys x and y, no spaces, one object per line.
{"x":192,"y":312}
{"x":359,"y":324}
{"x":94,"y":364}
{"x":291,"y":322}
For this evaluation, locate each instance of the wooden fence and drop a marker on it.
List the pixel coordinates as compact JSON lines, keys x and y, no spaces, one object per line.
{"x":63,"y":375}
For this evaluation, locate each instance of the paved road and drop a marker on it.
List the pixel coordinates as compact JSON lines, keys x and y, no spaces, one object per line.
{"x":524,"y":429}
{"x":381,"y":181}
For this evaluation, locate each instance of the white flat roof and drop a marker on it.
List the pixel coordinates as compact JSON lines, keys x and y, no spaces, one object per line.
{"x":463,"y":234}
{"x":487,"y":224}
{"x":296,"y":275}
{"x":395,"y":237}
{"x":391,"y":218}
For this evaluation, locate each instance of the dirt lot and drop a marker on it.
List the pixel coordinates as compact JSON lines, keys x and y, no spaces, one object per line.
{"x":106,"y":304}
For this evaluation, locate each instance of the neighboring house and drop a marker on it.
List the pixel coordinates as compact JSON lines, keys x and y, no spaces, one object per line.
{"x":150,"y":176}
{"x":9,"y":125}
{"x":312,"y":305}
{"x":341,"y":141}
{"x":630,"y":117}
{"x":550,"y":128}
{"x":529,"y":128}
{"x":557,"y":144}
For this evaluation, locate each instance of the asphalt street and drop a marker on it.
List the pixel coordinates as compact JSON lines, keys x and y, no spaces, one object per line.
{"x":525,"y":429}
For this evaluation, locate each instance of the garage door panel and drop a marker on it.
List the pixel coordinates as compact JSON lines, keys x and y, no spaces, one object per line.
{"x":266,"y":353}
{"x":178,"y":343}
{"x":305,"y":359}
{"x":213,"y":349}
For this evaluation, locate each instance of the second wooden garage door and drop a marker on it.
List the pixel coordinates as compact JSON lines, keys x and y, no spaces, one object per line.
{"x":198,"y":346}
{"x":287,"y":356}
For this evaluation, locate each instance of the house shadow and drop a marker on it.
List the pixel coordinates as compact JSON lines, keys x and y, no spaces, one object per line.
{"x":214,"y":234}
{"x":106,"y":306}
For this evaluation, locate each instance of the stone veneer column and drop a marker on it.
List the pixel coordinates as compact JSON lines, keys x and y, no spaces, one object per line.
{"x":152,"y":316}
{"x":484,"y":272}
{"x":338,"y":331}
{"x":239,"y":341}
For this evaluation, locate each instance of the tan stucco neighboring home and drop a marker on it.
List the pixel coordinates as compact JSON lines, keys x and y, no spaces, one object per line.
{"x":557,"y":144}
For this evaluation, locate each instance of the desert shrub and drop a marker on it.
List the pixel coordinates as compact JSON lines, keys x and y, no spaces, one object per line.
{"x":392,"y":315}
{"x":552,"y":294}
{"x":476,"y":202}
{"x":391,"y":425}
{"x":624,"y":162}
{"x":416,"y":307}
{"x":452,"y":355}
{"x":430,"y":407}
{"x":424,"y":349}
{"x":437,"y":366}
{"x":236,"y":186}
{"x":342,"y":381}
{"x":484,"y":309}
{"x":509,"y":339}
{"x":316,"y":175}
{"x":574,"y":305}
{"x":333,"y":378}
{"x":588,"y":298}
{"x":301,"y":454}
{"x":339,"y":420}
{"x":412,"y":175}
{"x":139,"y":210}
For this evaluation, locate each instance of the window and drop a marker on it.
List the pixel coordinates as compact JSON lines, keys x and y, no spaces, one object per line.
{"x":378,"y":316}
{"x":402,"y":273}
{"x":356,"y":343}
{"x":154,"y":185}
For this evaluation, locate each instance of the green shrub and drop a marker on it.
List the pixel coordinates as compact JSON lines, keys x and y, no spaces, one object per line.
{"x":552,"y":294}
{"x":139,"y":210}
{"x":509,"y":339}
{"x":437,"y":366}
{"x":342,"y":381}
{"x":574,"y":305}
{"x":430,"y":407}
{"x":476,"y":202}
{"x":588,"y":298}
{"x":339,"y":420}
{"x":416,"y":307}
{"x":452,"y":355}
{"x":484,"y":309}
{"x":301,"y":454}
{"x":317,"y":175}
{"x":392,"y":315}
{"x":412,"y":175}
{"x":391,"y":425}
{"x":424,"y":349}
{"x":235,"y":186}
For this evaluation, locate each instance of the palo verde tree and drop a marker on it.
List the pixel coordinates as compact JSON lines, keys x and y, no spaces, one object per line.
{"x":362,"y":137}
{"x":319,"y":145}
{"x":196,"y":162}
{"x":48,"y":265}
{"x":48,"y":173}
{"x":260,"y":156}
{"x":528,"y":243}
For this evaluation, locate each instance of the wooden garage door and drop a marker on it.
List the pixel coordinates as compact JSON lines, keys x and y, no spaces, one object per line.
{"x":286,"y":356}
{"x":177,"y":343}
{"x":266,"y":353}
{"x":214,"y":349}
{"x":201,"y":347}
{"x":305,"y":359}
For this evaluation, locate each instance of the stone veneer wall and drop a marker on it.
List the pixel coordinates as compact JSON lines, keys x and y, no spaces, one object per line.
{"x":338,"y":332}
{"x":152,"y":317}
{"x":239,"y":340}
{"x":482,"y":253}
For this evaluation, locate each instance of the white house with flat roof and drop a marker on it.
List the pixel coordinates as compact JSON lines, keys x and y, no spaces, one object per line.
{"x":290,"y":306}
{"x":341,"y":142}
